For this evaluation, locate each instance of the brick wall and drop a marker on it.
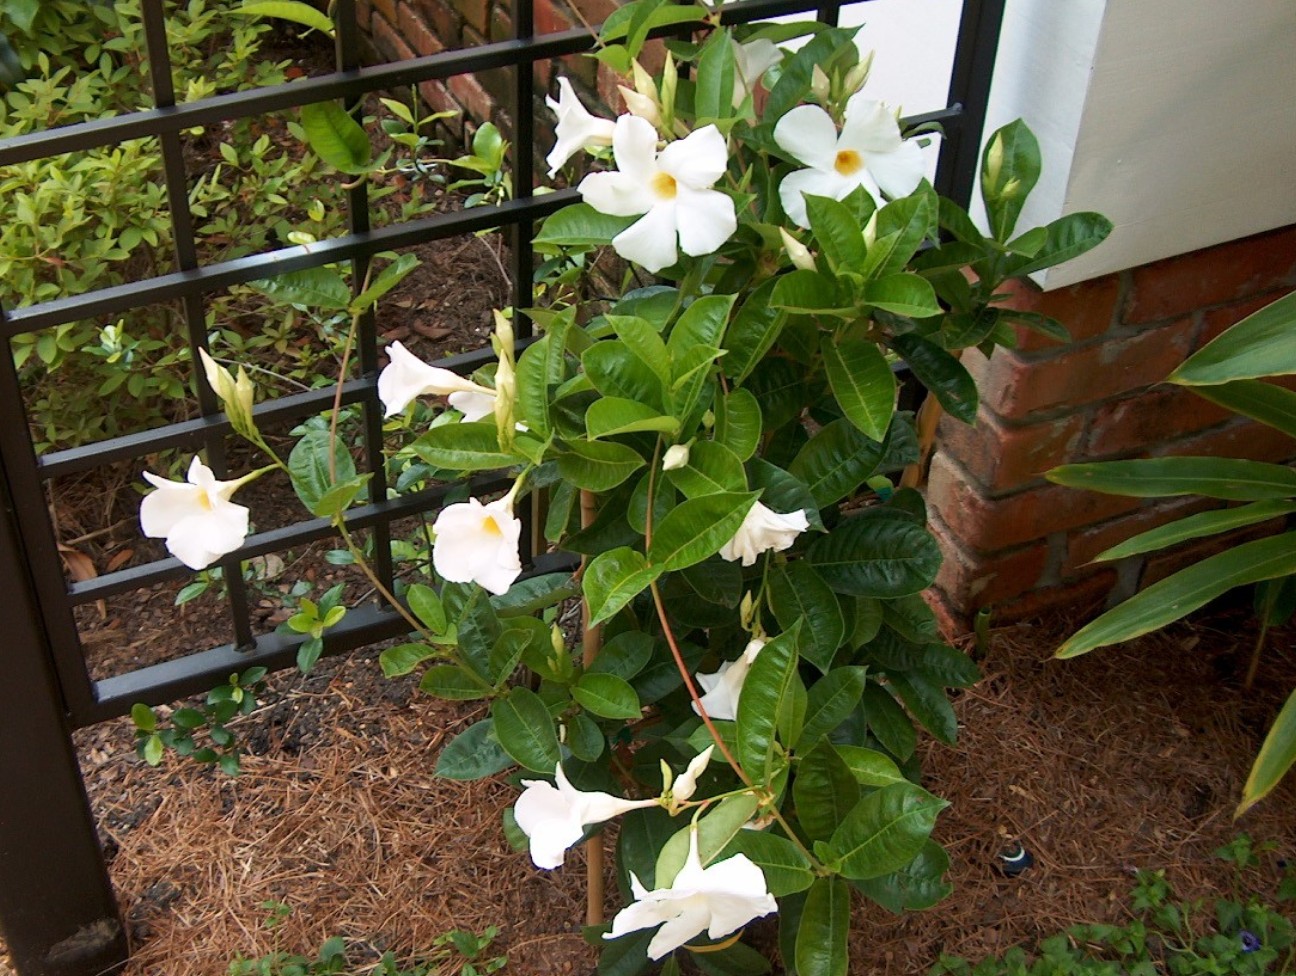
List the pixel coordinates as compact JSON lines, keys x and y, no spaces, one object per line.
{"x":1019,"y":544}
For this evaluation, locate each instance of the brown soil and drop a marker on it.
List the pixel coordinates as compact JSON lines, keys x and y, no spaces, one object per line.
{"x":1130,"y":758}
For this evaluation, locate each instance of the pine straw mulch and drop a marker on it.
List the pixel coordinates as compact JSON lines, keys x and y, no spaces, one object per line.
{"x":1130,"y":758}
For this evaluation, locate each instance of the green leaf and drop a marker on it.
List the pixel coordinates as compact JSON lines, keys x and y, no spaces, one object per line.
{"x":1010,"y":168}
{"x":607,"y":696}
{"x":404,"y":658}
{"x":796,"y":592}
{"x":584,"y":738}
{"x":829,"y":701}
{"x":902,"y":226}
{"x":23,"y":14}
{"x":609,"y":416}
{"x":473,"y":754}
{"x":902,"y":294}
{"x":1265,"y":402}
{"x":580,"y":225}
{"x":714,"y":89}
{"x":886,"y":830}
{"x":143,"y":717}
{"x":870,"y":767}
{"x":927,"y":703}
{"x":387,"y":279}
{"x":338,"y":498}
{"x":785,"y":866}
{"x":335,"y":137}
{"x":1262,"y":344}
{"x":878,"y":557}
{"x":836,"y":231}
{"x":821,"y":946}
{"x":711,"y":468}
{"x":862,"y":383}
{"x":525,"y":730}
{"x":1179,"y":595}
{"x":613,"y":579}
{"x":625,"y":655}
{"x":597,"y":465}
{"x":464,"y":447}
{"x":697,"y":528}
{"x":918,"y":885}
{"x":752,"y":332}
{"x":824,"y":791}
{"x":308,"y":465}
{"x":294,"y":10}
{"x":766,"y":692}
{"x":315,"y":288}
{"x":1230,"y":478}
{"x":1065,"y":238}
{"x":810,"y":293}
{"x":942,"y":374}
{"x":836,"y":461}
{"x":715,"y":831}
{"x":478,"y":630}
{"x":453,"y":683}
{"x":1197,"y":527}
{"x":738,"y":422}
{"x":620,"y":370}
{"x":888,"y":722}
{"x":1275,"y":759}
{"x":426,"y":604}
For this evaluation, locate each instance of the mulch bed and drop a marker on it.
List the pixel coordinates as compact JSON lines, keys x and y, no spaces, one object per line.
{"x":1130,"y":758}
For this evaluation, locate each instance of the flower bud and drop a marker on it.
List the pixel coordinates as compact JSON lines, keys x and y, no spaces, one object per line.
{"x":746,"y":611}
{"x":798,"y":252}
{"x":505,"y":381}
{"x":677,"y":456}
{"x":641,"y":105}
{"x":858,"y":75}
{"x":820,"y":86}
{"x":236,"y":395}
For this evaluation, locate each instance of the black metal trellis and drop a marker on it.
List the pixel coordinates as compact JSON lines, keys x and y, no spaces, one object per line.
{"x":57,"y":910}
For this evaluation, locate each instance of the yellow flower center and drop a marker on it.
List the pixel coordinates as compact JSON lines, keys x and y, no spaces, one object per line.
{"x":663,"y":184}
{"x":848,"y":162}
{"x":204,"y":501}
{"x":490,"y":526}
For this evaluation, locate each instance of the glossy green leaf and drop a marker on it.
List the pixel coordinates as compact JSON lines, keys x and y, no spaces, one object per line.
{"x":942,"y":374}
{"x":1178,"y":595}
{"x":1065,"y":238}
{"x":617,"y":369}
{"x":782,"y":492}
{"x":902,"y":226}
{"x":309,"y":466}
{"x":314,"y":288}
{"x":785,"y":866}
{"x":525,"y":730}
{"x":453,"y":683}
{"x":335,"y":137}
{"x":473,"y":754}
{"x":738,"y":422}
{"x":877,"y":557}
{"x":829,"y":701}
{"x":1198,"y":527}
{"x":597,"y":465}
{"x":888,"y":722}
{"x":1265,"y":402}
{"x":836,"y":231}
{"x":767,"y":690}
{"x":610,"y":416}
{"x":715,"y":79}
{"x":918,"y":885}
{"x":1231,"y":478}
{"x":404,"y":658}
{"x":886,"y":830}
{"x":806,"y":292}
{"x":821,"y":941}
{"x":1010,"y":168}
{"x":796,"y":592}
{"x":1276,"y":757}
{"x":427,"y":606}
{"x":294,"y":10}
{"x":624,"y":655}
{"x":607,"y":696}
{"x":927,"y":703}
{"x":614,"y":578}
{"x":338,"y":498}
{"x":697,"y":528}
{"x":751,"y":333}
{"x":711,"y":468}
{"x":836,"y":461}
{"x":715,"y":831}
{"x":463,"y":447}
{"x":1262,"y":344}
{"x":824,"y":791}
{"x":862,"y":383}
{"x":580,"y":225}
{"x":902,"y":294}
{"x":390,"y":276}
{"x":868,"y":766}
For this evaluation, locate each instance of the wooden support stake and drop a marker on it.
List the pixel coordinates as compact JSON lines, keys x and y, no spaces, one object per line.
{"x":591,"y":644}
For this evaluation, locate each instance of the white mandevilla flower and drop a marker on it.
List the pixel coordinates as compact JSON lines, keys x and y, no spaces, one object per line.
{"x":723,"y":688}
{"x":685,"y":784}
{"x":407,"y":377}
{"x":478,"y":543}
{"x":577,"y":128}
{"x":762,"y":530}
{"x":869,"y":152}
{"x":751,"y":60}
{"x":717,"y":899}
{"x":555,"y":817}
{"x":197,"y":518}
{"x":676,"y":456}
{"x":672,"y":189}
{"x":472,"y":404}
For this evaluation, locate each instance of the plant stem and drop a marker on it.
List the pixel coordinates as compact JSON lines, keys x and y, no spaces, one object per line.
{"x":591,"y":644}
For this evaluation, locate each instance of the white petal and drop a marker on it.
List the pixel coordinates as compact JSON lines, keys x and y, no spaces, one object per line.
{"x":577,"y":129}
{"x":203,"y":538}
{"x":406,"y":377}
{"x":706,"y":219}
{"x":697,"y":160}
{"x":473,"y":405}
{"x":898,"y":173}
{"x":551,"y":840}
{"x":479,"y":544}
{"x":676,"y":456}
{"x":690,"y":919}
{"x":754,"y":58}
{"x":616,"y":194}
{"x":634,"y":146}
{"x":638,"y":915}
{"x":869,"y":127}
{"x":539,"y":802}
{"x":816,"y":182}
{"x":161,"y":510}
{"x":685,"y":784}
{"x":761,"y":531}
{"x":807,"y":134}
{"x":650,"y":240}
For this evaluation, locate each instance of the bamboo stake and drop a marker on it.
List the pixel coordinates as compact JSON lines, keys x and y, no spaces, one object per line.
{"x":929,"y":415}
{"x":591,"y":644}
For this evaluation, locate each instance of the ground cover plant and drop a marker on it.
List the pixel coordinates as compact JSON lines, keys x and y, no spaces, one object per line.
{"x":754,"y":653}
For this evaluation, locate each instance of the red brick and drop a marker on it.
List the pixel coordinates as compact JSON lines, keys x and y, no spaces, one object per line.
{"x":1213,"y":276}
{"x":1139,"y":423}
{"x":387,"y":8}
{"x":364,"y":13}
{"x":592,"y":13}
{"x":1085,"y":596}
{"x":1219,"y":320}
{"x":1165,"y":564}
{"x":1084,"y":544}
{"x":501,"y":28}
{"x":973,"y":582}
{"x":551,"y":16}
{"x":1002,"y":457}
{"x":953,"y":621}
{"x":1087,"y":309}
{"x":1241,"y":439}
{"x":438,"y":97}
{"x":474,"y":12}
{"x":389,"y":42}
{"x":990,"y":525}
{"x":445,"y":22}
{"x":472,"y":96}
{"x":1015,"y":388}
{"x":417,"y":32}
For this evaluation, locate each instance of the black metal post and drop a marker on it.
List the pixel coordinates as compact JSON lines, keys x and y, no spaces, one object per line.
{"x":969,"y":95}
{"x":57,"y":909}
